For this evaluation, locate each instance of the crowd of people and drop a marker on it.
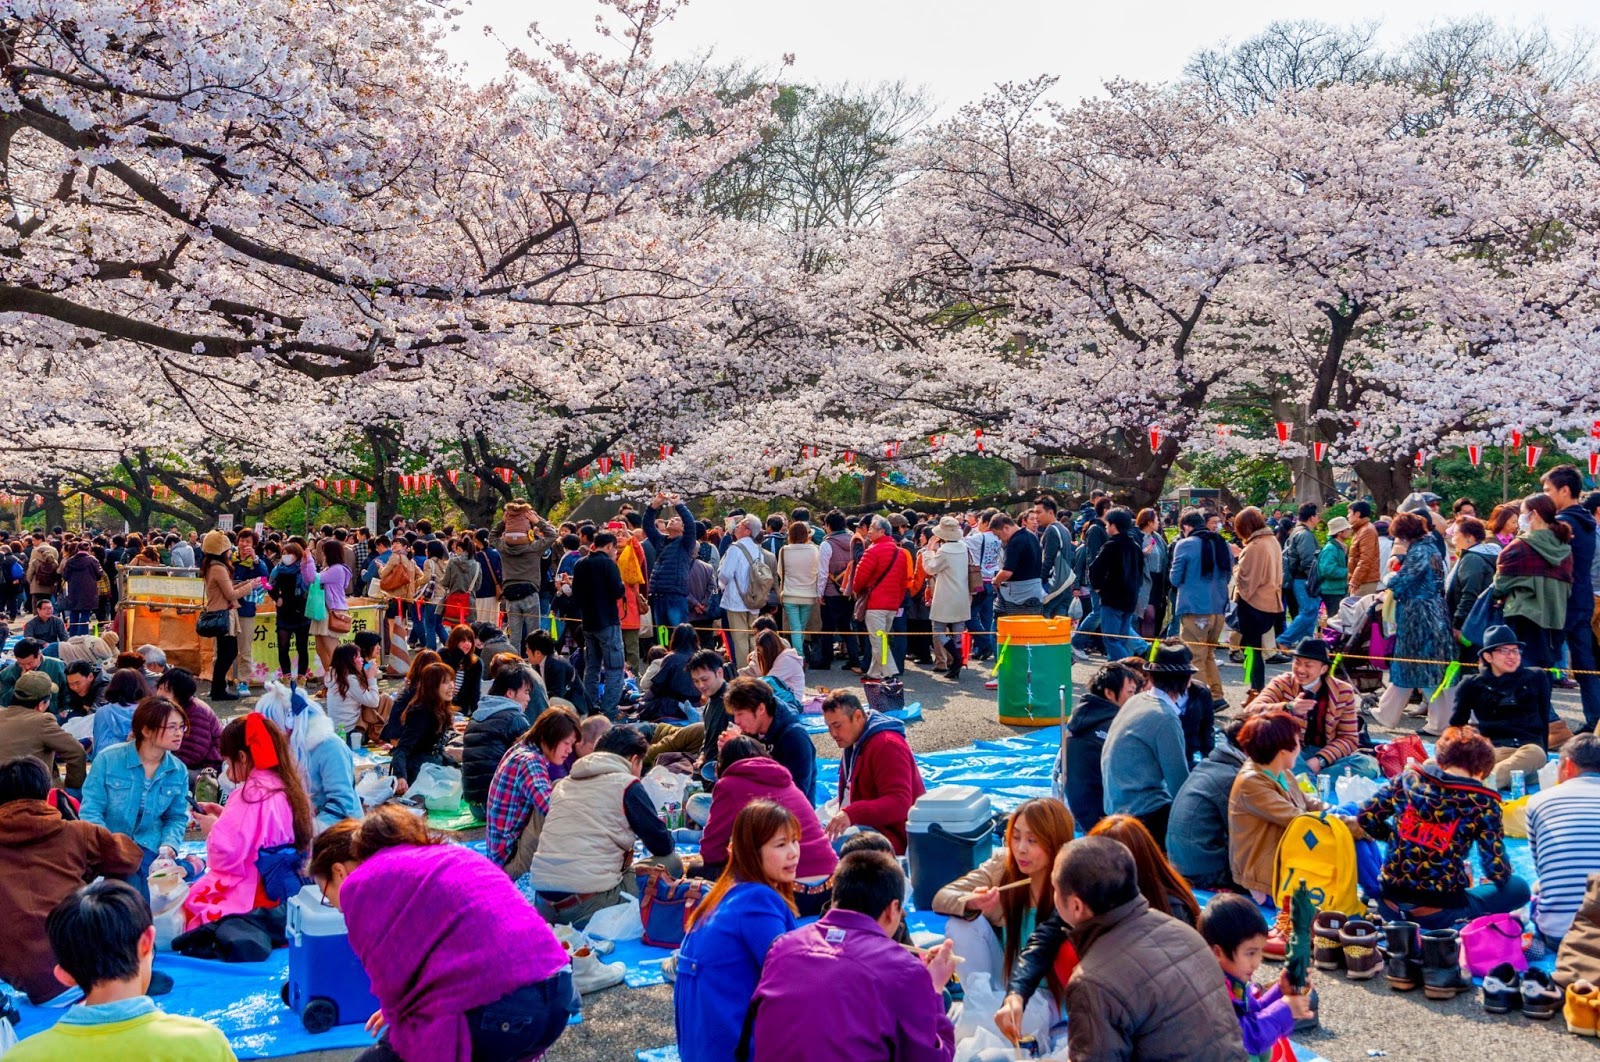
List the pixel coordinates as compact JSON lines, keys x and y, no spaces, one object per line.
{"x":556,"y":664}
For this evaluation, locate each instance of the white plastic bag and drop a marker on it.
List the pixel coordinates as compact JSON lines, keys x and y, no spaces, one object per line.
{"x":374,"y":788}
{"x":80,"y":727}
{"x":438,"y":786}
{"x":666,"y":789}
{"x":1354,"y":789}
{"x":618,"y":922}
{"x":983,"y":999}
{"x":168,"y":890}
{"x":1548,"y":773}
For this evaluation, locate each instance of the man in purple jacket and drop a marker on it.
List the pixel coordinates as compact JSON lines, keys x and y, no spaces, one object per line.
{"x":897,"y":1010}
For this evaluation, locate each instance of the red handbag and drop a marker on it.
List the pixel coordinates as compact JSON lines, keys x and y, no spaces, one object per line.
{"x":1392,"y":757}
{"x":457,"y":608}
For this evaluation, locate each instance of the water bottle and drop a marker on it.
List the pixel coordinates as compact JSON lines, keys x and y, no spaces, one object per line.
{"x":1519,"y":788}
{"x":1325,"y":787}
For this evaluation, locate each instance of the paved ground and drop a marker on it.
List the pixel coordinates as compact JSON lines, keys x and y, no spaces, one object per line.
{"x":1359,"y":1020}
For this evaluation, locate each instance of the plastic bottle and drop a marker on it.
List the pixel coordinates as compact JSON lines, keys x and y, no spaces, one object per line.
{"x":1325,"y":787}
{"x":206,"y":790}
{"x":1519,"y":787}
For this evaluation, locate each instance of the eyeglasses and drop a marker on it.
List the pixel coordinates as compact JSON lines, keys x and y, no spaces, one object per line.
{"x":176,"y":728}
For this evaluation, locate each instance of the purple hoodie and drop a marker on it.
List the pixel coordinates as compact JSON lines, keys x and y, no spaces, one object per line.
{"x":440,"y":930}
{"x":757,"y":778}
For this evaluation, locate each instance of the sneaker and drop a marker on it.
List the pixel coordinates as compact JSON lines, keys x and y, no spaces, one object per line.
{"x":244,"y":689}
{"x":1540,"y":996}
{"x":992,"y":684}
{"x":589,"y":974}
{"x":1580,"y":1009}
{"x":1502,"y":989}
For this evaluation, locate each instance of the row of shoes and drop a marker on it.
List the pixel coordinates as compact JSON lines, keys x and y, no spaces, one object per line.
{"x":589,"y":974}
{"x":1404,"y":952}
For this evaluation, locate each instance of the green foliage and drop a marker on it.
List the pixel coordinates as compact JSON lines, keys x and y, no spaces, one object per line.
{"x":1252,"y":480}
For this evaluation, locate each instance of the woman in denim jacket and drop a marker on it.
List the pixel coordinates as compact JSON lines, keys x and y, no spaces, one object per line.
{"x":140,"y":788}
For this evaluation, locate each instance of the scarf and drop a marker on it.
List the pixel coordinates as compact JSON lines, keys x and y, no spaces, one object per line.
{"x":1214,"y":553}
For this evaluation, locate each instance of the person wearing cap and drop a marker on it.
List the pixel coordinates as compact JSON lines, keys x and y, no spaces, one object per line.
{"x":1508,"y":703}
{"x":1332,"y":578}
{"x":28,"y":656}
{"x":27,"y":729}
{"x":1144,"y":762}
{"x":222,"y":595}
{"x":944,"y":559}
{"x":1327,"y":708}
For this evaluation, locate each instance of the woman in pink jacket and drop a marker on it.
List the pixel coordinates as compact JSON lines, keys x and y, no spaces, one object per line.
{"x":269,"y":808}
{"x":746,"y":772}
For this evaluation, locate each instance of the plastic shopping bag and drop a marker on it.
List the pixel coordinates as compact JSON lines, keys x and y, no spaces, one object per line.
{"x":983,"y":999}
{"x":438,"y":786}
{"x":666,"y":789}
{"x":619,"y":922}
{"x":374,"y":788}
{"x":1354,"y":789}
{"x":168,"y":890}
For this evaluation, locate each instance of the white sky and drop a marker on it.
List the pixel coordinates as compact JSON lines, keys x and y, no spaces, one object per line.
{"x":959,"y":50}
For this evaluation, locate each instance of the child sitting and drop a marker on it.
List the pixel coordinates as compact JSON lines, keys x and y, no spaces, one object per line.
{"x":519,"y":521}
{"x":1237,"y":932}
{"x":104,"y":943}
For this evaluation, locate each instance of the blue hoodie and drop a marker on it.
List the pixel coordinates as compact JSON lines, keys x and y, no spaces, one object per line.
{"x":1580,"y":606}
{"x":791,"y":746}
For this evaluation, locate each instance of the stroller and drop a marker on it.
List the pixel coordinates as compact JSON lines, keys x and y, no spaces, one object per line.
{"x":1357,"y":632}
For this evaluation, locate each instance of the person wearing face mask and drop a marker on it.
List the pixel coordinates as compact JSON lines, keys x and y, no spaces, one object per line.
{"x":1533,"y":579}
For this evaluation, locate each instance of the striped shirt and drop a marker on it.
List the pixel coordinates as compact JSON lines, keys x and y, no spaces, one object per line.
{"x":1566,"y":848}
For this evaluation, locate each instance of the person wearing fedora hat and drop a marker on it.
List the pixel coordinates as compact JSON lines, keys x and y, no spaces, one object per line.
{"x":1327,"y":708}
{"x":1144,"y":762}
{"x":1509,"y":704}
{"x":944,"y":559}
{"x":1333,"y":565}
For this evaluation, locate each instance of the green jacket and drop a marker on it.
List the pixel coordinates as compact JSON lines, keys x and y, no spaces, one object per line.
{"x":1333,"y":570}
{"x":50,"y":666}
{"x":1528,"y":579}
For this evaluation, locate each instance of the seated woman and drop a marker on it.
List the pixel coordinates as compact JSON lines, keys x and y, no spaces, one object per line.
{"x":750,"y":906}
{"x":773,"y":658}
{"x":200,"y":749}
{"x":353,"y":700}
{"x":1161,"y":885}
{"x":113,"y":720}
{"x":461,"y":653}
{"x":991,"y":927}
{"x":1446,"y":810}
{"x":747,"y":772}
{"x":419,"y":664}
{"x":485,"y":979}
{"x":670,"y":694}
{"x":43,"y":860}
{"x":424,"y":727}
{"x":519,"y":794}
{"x":269,"y":808}
{"x":140,"y":788}
{"x":1264,"y":799}
{"x":324,"y":760}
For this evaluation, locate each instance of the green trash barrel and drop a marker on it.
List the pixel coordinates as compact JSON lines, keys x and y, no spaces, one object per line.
{"x":1035,"y":661}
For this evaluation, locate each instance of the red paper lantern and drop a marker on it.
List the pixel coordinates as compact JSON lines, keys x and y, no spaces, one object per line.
{"x":322,"y":484}
{"x":1516,"y":440}
{"x":1155,"y":439}
{"x":1533,"y":456}
{"x":1419,"y":458}
{"x":1594,"y":464}
{"x":605,"y":466}
{"x":1319,"y":451}
{"x":892,"y":450}
{"x":1594,"y":430}
{"x":1475,"y":455}
{"x":977,"y":433}
{"x":627,"y":461}
{"x":666,"y":451}
{"x":849,"y":457}
{"x":454,"y":476}
{"x":1283,"y":431}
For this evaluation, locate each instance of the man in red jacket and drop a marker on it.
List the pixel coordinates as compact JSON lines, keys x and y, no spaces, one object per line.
{"x":880,"y":577}
{"x":878,"y":775}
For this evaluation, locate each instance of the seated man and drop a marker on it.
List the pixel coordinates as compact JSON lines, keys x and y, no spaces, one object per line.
{"x":896,"y":1010}
{"x":1146,"y":985}
{"x":710,"y":682}
{"x":1197,"y":832}
{"x":86,"y":688}
{"x":1561,"y":830}
{"x":30,"y":656}
{"x":1078,"y":763}
{"x":559,"y":677}
{"x":878,"y":775}
{"x":104,"y":943}
{"x":586,"y":844}
{"x":155,"y":662}
{"x":43,"y":859}
{"x":756,"y":711}
{"x":27,"y":729}
{"x":1326,"y":705}
{"x":1144,"y":763}
{"x":45,"y":626}
{"x":1511,"y":704}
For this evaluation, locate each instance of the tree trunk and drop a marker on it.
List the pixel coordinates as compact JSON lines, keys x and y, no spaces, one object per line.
{"x":55,"y":510}
{"x":869,"y":488}
{"x":1387,"y":481}
{"x":1312,"y":481}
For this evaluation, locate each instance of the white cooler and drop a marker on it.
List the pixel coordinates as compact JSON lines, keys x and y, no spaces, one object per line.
{"x":949,"y":832}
